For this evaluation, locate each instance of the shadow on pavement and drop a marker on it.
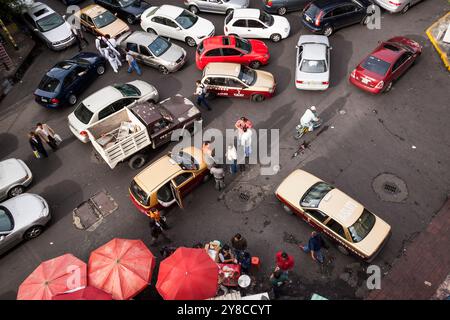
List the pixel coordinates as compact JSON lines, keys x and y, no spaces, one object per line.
{"x":8,"y":144}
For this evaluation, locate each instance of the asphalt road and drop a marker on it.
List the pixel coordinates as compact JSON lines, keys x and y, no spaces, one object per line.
{"x":363,"y":137}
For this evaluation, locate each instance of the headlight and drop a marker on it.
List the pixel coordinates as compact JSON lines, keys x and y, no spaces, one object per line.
{"x":172,"y":63}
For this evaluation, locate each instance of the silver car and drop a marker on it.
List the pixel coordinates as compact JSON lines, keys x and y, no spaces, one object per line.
{"x":49,"y":25}
{"x":22,"y":218}
{"x":154,"y":51}
{"x":15,"y":176}
{"x":215,"y":6}
{"x":395,"y":6}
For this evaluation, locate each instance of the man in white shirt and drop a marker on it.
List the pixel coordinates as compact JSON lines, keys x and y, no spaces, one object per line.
{"x":246,"y":141}
{"x":309,"y":118}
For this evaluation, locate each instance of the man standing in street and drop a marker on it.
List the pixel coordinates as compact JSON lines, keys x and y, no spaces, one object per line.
{"x":314,"y":247}
{"x":47,"y":134}
{"x":79,"y":36}
{"x":200,"y":92}
{"x":278,"y":279}
{"x":219,"y":176}
{"x":132,"y":63}
{"x":36,"y":145}
{"x":156,"y":231}
{"x":284,"y":261}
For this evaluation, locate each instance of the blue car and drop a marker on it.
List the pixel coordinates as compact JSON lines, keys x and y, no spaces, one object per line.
{"x":62,"y":84}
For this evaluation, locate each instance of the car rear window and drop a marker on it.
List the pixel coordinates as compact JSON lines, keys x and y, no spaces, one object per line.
{"x":312,"y":11}
{"x":361,"y":228}
{"x":185,"y":161}
{"x":48,"y":84}
{"x":315,"y":194}
{"x":83,"y":113}
{"x":376,"y":65}
{"x":313,"y":66}
{"x":140,"y":195}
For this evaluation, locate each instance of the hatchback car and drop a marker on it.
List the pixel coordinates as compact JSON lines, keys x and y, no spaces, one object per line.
{"x":64,"y":83}
{"x":312,"y":70}
{"x":254,"y":23}
{"x":395,"y":6}
{"x":15,"y":176}
{"x":107,"y":101}
{"x":232,"y":49}
{"x":22,"y":218}
{"x":99,"y":21}
{"x":167,"y":180}
{"x":177,"y":23}
{"x":327,"y":16}
{"x":215,"y":6}
{"x":49,"y":26}
{"x":378,"y":71}
{"x":327,"y":209}
{"x":154,"y":51}
{"x":281,"y":7}
{"x":129,"y":10}
{"x":235,"y":80}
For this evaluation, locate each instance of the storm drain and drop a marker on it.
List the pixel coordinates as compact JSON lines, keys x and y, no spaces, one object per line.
{"x":93,"y":210}
{"x":244,"y":197}
{"x":390,"y":188}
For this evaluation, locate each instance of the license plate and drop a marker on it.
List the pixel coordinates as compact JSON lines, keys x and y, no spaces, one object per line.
{"x":364,"y":80}
{"x":308,"y":19}
{"x":44,"y":100}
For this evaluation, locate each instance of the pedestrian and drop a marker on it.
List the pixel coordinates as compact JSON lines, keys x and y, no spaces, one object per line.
{"x":160,"y":220}
{"x":79,"y":37}
{"x":238,"y":242}
{"x":47,"y":134}
{"x":208,"y":154}
{"x":284,"y":261}
{"x":112,"y":54}
{"x":101,"y":46}
{"x":156,"y":231}
{"x":132,"y":63}
{"x":231,"y":155}
{"x":200,"y":92}
{"x":278,"y":279}
{"x":244,"y":259}
{"x":242,"y":123}
{"x":37,"y":146}
{"x":314,"y":247}
{"x":245,"y":142}
{"x":219,"y":176}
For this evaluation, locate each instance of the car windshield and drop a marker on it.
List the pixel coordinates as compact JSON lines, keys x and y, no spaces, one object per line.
{"x":361,"y":228}
{"x":313,"y":66}
{"x":159,"y":46}
{"x":185,"y":161}
{"x":50,"y":22}
{"x":247,"y":75}
{"x":376,"y":65}
{"x":104,"y":19}
{"x":6,"y":223}
{"x":125,"y":3}
{"x":127,"y":90}
{"x":82,"y":62}
{"x":312,"y":11}
{"x":139,"y":194}
{"x":48,"y":84}
{"x":243,"y":44}
{"x":186,"y":19}
{"x":83,"y":113}
{"x":265,"y":18}
{"x":315,"y":194}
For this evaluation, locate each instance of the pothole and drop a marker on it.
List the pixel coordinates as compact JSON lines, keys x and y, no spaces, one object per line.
{"x":390,"y":188}
{"x":244,"y":197}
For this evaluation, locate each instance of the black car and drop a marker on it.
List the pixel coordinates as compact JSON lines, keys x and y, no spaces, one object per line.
{"x":129,"y":10}
{"x":63,"y":83}
{"x":280,"y":7}
{"x":326,"y":16}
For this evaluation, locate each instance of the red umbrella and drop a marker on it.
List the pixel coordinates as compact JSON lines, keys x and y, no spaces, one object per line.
{"x":188,"y":274}
{"x":121,"y":267}
{"x":52,"y":277}
{"x":88,"y":293}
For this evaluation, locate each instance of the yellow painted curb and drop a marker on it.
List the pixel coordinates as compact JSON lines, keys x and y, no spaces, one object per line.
{"x":442,"y":55}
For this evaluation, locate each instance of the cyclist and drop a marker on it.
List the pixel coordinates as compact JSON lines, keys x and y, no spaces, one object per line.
{"x":309,"y":118}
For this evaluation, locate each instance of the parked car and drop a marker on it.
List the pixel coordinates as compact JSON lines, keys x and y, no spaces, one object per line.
{"x":49,"y":26}
{"x":281,"y":7}
{"x":378,"y":71}
{"x":215,"y":6}
{"x":129,"y":10}
{"x":235,"y":80}
{"x":254,"y":23}
{"x":15,"y":176}
{"x":232,"y":49}
{"x":64,"y":83}
{"x":100,"y":21}
{"x":327,"y":16}
{"x":22,"y":218}
{"x":167,"y":180}
{"x":396,"y":6}
{"x":312,"y":70}
{"x":177,"y":23}
{"x":106,"y":101}
{"x":154,"y":51}
{"x":327,"y":209}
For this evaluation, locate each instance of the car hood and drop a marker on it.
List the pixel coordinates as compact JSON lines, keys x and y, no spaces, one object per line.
{"x":137,"y":8}
{"x":114,"y":29}
{"x":11,"y":171}
{"x":238,"y":3}
{"x":264,"y":79}
{"x":58,"y":34}
{"x":202,"y":27}
{"x":280,"y":23}
{"x":173,"y":53}
{"x":147,"y":90}
{"x":370,"y":244}
{"x":180,"y":107}
{"x":25,"y":209}
{"x":259,"y":47}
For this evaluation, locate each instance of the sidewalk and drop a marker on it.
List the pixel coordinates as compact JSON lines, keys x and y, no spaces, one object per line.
{"x":425,"y":266}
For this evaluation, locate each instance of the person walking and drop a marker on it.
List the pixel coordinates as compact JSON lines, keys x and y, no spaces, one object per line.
{"x":219,"y":176}
{"x":47,"y":134}
{"x":79,"y":37}
{"x":278,"y":279}
{"x":160,"y":220}
{"x":242,"y":123}
{"x":314,"y":247}
{"x":112,"y":54}
{"x":238,"y":242}
{"x":101,"y":46}
{"x":156,"y":231}
{"x":231,"y":155}
{"x":245,"y":141}
{"x":37,"y":146}
{"x":132,"y":63}
{"x":284,"y":261}
{"x":200,"y":92}
{"x":244,"y":259}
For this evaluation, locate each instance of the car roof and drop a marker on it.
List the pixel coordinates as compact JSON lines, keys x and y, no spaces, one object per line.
{"x":314,"y":51}
{"x":222,"y":68}
{"x":39,"y":10}
{"x":246,"y":13}
{"x":218,"y":42}
{"x":93,"y":10}
{"x":101,"y":98}
{"x":61,"y":69}
{"x":141,"y":37}
{"x":169,"y":11}
{"x":384,"y":52}
{"x":329,"y":4}
{"x":313,"y":38}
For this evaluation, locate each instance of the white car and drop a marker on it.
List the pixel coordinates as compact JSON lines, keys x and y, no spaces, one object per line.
{"x":312,"y":71}
{"x":177,"y":23}
{"x":255,"y":23}
{"x":15,"y":176}
{"x":107,"y":101}
{"x":395,"y":6}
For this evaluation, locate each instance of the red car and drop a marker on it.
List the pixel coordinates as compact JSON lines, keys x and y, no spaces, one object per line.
{"x":253,"y":53}
{"x":391,"y":59}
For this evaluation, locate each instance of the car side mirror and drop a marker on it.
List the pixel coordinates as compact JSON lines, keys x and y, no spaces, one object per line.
{"x":64,"y":17}
{"x":115,"y":14}
{"x":331,"y":48}
{"x":178,"y":28}
{"x":35,"y":30}
{"x":296,"y":47}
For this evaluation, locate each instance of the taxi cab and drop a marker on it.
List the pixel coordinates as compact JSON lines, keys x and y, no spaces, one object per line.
{"x":236,"y":80}
{"x":355,"y":229}
{"x":167,"y":180}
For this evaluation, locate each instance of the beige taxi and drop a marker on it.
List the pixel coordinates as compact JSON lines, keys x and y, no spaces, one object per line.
{"x":354,"y":228}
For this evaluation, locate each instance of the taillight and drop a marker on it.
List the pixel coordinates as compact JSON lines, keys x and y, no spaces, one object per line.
{"x":299,"y":81}
{"x":318,"y":18}
{"x":353,"y":74}
{"x":325,"y":82}
{"x":269,"y":3}
{"x":395,"y":3}
{"x":379,"y":85}
{"x":54,"y":100}
{"x":83,"y":133}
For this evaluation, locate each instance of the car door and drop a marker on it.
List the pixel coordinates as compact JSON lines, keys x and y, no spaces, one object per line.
{"x":31,"y":24}
{"x":88,"y":23}
{"x":239,"y":27}
{"x":177,"y":195}
{"x":237,"y":89}
{"x":355,"y":14}
{"x":335,"y":230}
{"x":315,"y":218}
{"x":256,"y":29}
{"x":217,"y":85}
{"x":160,"y":132}
{"x":216,"y":6}
{"x":174,"y":30}
{"x":184,"y":182}
{"x":70,"y":84}
{"x":146,"y":57}
{"x":134,"y":51}
{"x":335,"y":17}
{"x":8,"y":239}
{"x":214,"y":55}
{"x":233,"y":55}
{"x":401,"y":65}
{"x":347,"y":15}
{"x":83,"y":77}
{"x":159,"y":25}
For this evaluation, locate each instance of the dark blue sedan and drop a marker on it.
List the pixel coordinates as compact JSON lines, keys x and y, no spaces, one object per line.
{"x":62,"y":84}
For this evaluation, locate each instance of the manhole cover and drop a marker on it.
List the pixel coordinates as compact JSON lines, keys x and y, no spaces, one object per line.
{"x":93,"y":210}
{"x":390,"y":188}
{"x":244,"y":197}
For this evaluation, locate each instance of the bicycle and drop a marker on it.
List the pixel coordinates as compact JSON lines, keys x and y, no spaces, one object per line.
{"x":300,"y":130}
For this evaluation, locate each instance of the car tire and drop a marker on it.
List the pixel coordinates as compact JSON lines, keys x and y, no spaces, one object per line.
{"x":190,"y":42}
{"x":194,"y":9}
{"x":343,"y":250}
{"x":255,"y":64}
{"x":282,"y":11}
{"x":100,"y":69}
{"x":228,"y":12}
{"x":258,"y":98}
{"x":131,"y":19}
{"x":15,"y":191}
{"x":163,"y":69}
{"x":405,"y":9}
{"x":137,"y":161}
{"x":388,"y":87}
{"x":33,"y":232}
{"x":72,"y":99}
{"x":150,"y":30}
{"x":328,"y":31}
{"x":276,"y":37}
